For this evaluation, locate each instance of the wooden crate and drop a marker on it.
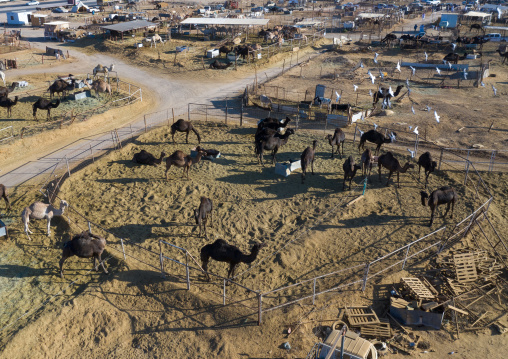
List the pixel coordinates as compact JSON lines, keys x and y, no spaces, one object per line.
{"x":361,"y":315}
{"x":417,"y":288}
{"x":381,"y":330}
{"x":465,"y":267}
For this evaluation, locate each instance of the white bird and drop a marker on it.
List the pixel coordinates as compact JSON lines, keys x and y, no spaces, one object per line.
{"x":438,"y":71}
{"x":337,"y":96}
{"x":416,"y":130}
{"x":372,"y":77}
{"x":370,"y":93}
{"x":381,"y":74}
{"x":465,"y":75}
{"x":437,"y":116}
{"x":450,"y":65}
{"x":407,"y":83}
{"x":375,"y":126}
{"x":412,"y":153}
{"x":398,"y":66}
{"x":495,"y":90}
{"x":481,"y":83}
{"x":355,"y":87}
{"x":390,"y":91}
{"x":454,"y":45}
{"x":413,"y":110}
{"x":428,"y":108}
{"x":499,"y":13}
{"x":413,"y":69}
{"x":426,"y":56}
{"x":360,"y":132}
{"x":375,"y":57}
{"x":361,"y":64}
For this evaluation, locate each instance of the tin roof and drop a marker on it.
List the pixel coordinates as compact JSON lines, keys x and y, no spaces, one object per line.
{"x":129,"y":25}
{"x":224,"y":21}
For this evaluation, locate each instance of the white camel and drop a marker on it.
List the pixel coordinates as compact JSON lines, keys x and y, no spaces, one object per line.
{"x":39,"y":210}
{"x":103,"y":69}
{"x":2,"y":75}
{"x":154,"y":39}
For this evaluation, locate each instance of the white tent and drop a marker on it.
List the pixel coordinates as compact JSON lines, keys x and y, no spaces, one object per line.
{"x":78,"y":6}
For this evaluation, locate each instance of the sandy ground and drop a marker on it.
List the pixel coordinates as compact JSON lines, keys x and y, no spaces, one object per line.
{"x":133,"y":311}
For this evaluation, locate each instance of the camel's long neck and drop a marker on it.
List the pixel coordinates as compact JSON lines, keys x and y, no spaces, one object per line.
{"x":60,"y":211}
{"x":397,"y":91}
{"x":402,"y":169}
{"x":249,"y":258}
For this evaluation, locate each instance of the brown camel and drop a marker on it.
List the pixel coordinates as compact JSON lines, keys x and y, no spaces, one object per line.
{"x":307,"y":159}
{"x":444,"y":195}
{"x":5,"y":91}
{"x":504,"y":55}
{"x":99,"y":86}
{"x":84,"y":245}
{"x":221,"y":251}
{"x":8,"y":103}
{"x":338,"y":137}
{"x":180,"y":159}
{"x":61,"y":86}
{"x":389,"y":162}
{"x":5,"y":196}
{"x":183,"y":126}
{"x":146,"y":158}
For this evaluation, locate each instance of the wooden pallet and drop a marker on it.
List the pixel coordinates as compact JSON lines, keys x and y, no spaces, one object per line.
{"x":378,"y":331}
{"x":361,"y":315}
{"x":417,"y":288}
{"x":465,"y":267}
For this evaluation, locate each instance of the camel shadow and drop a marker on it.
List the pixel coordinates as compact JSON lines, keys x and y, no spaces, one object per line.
{"x":141,"y":232}
{"x":17,"y":271}
{"x":13,"y":119}
{"x":243,"y":131}
{"x":29,"y":99}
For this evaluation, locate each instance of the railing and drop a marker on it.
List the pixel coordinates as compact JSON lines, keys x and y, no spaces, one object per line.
{"x":4,"y":135}
{"x":488,"y":160}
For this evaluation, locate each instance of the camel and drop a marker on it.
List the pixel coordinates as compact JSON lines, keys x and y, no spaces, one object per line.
{"x":367,"y":160}
{"x":146,"y":158}
{"x":39,"y":210}
{"x":389,"y":162}
{"x":220,"y":65}
{"x":201,"y":214}
{"x":389,"y":38}
{"x":84,"y":245}
{"x":384,"y":93}
{"x":43,"y":104}
{"x":454,"y":58}
{"x":154,"y":39}
{"x":443,"y":195}
{"x":338,"y":137}
{"x":5,"y":196}
{"x":377,"y":138}
{"x":272,"y":144}
{"x":61,"y":86}
{"x":221,"y":251}
{"x":224,"y":50}
{"x":2,"y":75}
{"x":504,"y":55}
{"x":183,"y":126}
{"x":8,"y":103}
{"x":425,"y":161}
{"x":477,"y":27}
{"x":273,"y":123}
{"x":339,"y":107}
{"x":180,"y":159}
{"x":350,"y":169}
{"x":103,"y":69}
{"x":100,"y":85}
{"x":307,"y":158}
{"x":5,"y":91}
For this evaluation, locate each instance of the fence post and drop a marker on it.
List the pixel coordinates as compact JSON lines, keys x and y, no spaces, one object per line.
{"x":187,"y":270}
{"x":260,"y":307}
{"x":491,"y":164}
{"x":144,"y":119}
{"x":467,"y":171}
{"x":123,"y":249}
{"x":224,"y":292}
{"x":367,"y":267}
{"x":405,"y":259}
{"x":173,"y":111}
{"x":68,"y":169}
{"x":440,"y":159}
{"x":161,"y":260}
{"x":188,"y":112}
{"x":354,"y":136}
{"x":314,"y":291}
{"x":467,"y":160}
{"x":91,"y":152}
{"x":241,"y":114}
{"x":89,"y":227}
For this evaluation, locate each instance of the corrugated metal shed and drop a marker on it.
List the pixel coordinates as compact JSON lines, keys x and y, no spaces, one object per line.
{"x":224,"y":21}
{"x":129,"y":25}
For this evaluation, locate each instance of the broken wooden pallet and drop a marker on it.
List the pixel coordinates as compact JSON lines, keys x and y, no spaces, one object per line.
{"x":417,"y":288}
{"x":465,"y":267}
{"x":361,"y":315}
{"x":378,"y":331}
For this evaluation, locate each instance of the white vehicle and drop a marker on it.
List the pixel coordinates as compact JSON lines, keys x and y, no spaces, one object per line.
{"x":32,"y":3}
{"x":433,"y":2}
{"x":495,"y":37}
